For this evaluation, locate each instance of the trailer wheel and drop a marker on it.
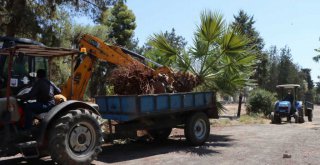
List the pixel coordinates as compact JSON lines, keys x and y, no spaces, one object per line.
{"x":197,"y":129}
{"x":75,"y":138}
{"x":160,"y":134}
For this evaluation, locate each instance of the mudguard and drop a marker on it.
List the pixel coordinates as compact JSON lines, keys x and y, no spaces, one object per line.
{"x":59,"y":109}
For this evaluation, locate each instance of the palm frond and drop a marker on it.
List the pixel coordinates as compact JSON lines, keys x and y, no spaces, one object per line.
{"x":160,"y":42}
{"x":233,"y":43}
{"x":211,"y":26}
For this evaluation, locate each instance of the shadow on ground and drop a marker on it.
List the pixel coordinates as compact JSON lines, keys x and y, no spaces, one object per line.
{"x":142,"y":149}
{"x":22,"y":161}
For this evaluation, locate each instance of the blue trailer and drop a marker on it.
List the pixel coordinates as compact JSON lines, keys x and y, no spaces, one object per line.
{"x":158,"y":114}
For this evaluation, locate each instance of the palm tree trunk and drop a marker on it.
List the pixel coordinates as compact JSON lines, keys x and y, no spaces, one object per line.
{"x":240,"y":103}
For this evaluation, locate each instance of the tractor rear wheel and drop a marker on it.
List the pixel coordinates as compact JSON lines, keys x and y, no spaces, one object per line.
{"x":75,"y":138}
{"x":296,"y":117}
{"x":301,"y":119}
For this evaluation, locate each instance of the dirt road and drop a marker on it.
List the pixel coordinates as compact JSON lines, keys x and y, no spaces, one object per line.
{"x":288,"y":143}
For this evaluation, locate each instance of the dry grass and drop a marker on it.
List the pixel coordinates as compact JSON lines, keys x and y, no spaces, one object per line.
{"x":229,"y":118}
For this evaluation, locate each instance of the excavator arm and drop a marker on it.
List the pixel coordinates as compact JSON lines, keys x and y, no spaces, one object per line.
{"x":96,"y":49}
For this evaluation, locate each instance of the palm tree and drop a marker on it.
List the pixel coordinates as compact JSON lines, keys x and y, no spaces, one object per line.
{"x":220,"y":55}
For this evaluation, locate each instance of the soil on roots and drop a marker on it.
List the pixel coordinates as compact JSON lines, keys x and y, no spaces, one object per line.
{"x":137,"y":79}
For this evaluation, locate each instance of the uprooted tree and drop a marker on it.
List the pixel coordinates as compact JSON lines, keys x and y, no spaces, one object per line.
{"x":221,"y":56}
{"x":137,"y":79}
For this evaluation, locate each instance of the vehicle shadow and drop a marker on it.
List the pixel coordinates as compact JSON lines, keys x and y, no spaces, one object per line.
{"x":20,"y":160}
{"x":115,"y":153}
{"x":140,"y":149}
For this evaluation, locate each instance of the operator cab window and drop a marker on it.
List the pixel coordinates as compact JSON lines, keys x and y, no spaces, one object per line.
{"x":23,"y":67}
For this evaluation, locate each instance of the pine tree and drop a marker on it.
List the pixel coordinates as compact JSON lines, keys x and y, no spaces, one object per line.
{"x":27,"y":17}
{"x":245,"y":24}
{"x":122,"y":24}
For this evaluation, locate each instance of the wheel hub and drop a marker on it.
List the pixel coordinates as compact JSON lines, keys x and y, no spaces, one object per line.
{"x":200,"y":129}
{"x":80,"y":138}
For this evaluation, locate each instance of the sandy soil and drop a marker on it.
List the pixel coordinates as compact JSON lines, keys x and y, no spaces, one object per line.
{"x":288,"y":143}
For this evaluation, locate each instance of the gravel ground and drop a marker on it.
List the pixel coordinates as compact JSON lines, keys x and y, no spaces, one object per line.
{"x":288,"y":143}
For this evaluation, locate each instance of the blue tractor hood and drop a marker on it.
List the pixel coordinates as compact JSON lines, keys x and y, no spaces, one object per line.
{"x":283,"y":106}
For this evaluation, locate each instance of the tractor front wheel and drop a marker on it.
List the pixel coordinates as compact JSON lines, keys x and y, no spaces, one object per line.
{"x":273,"y":121}
{"x":75,"y":138}
{"x":275,"y":118}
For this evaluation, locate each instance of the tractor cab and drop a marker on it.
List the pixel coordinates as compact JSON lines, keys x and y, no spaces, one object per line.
{"x":288,"y":105}
{"x":23,"y":67}
{"x":19,"y":60}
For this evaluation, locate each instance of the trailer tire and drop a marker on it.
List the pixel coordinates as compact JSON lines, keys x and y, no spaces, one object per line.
{"x":197,"y":129}
{"x":75,"y":138}
{"x":160,"y":134}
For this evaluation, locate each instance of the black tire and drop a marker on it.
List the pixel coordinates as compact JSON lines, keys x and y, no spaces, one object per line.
{"x":273,"y":121}
{"x":75,"y":138}
{"x":160,"y":134}
{"x":289,"y":119}
{"x":296,"y":118}
{"x":310,"y":115}
{"x":301,"y":119}
{"x":197,"y":129}
{"x":277,"y":119}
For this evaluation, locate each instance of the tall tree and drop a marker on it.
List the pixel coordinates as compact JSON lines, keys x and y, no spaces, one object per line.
{"x":20,"y":16}
{"x":176,"y":41}
{"x":245,"y":24}
{"x":282,"y":70}
{"x":273,"y":70}
{"x":122,"y":24}
{"x":307,"y":77}
{"x":285,"y":66}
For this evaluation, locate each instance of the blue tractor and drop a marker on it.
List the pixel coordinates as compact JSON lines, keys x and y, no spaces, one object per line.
{"x":289,"y":106}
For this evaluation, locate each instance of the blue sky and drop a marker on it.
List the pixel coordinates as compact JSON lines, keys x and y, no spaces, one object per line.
{"x":294,"y":23}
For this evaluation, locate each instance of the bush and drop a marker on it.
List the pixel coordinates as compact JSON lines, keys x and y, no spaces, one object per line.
{"x":260,"y":101}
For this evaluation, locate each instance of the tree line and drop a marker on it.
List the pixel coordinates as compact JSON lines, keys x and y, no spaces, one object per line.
{"x":227,"y":57}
